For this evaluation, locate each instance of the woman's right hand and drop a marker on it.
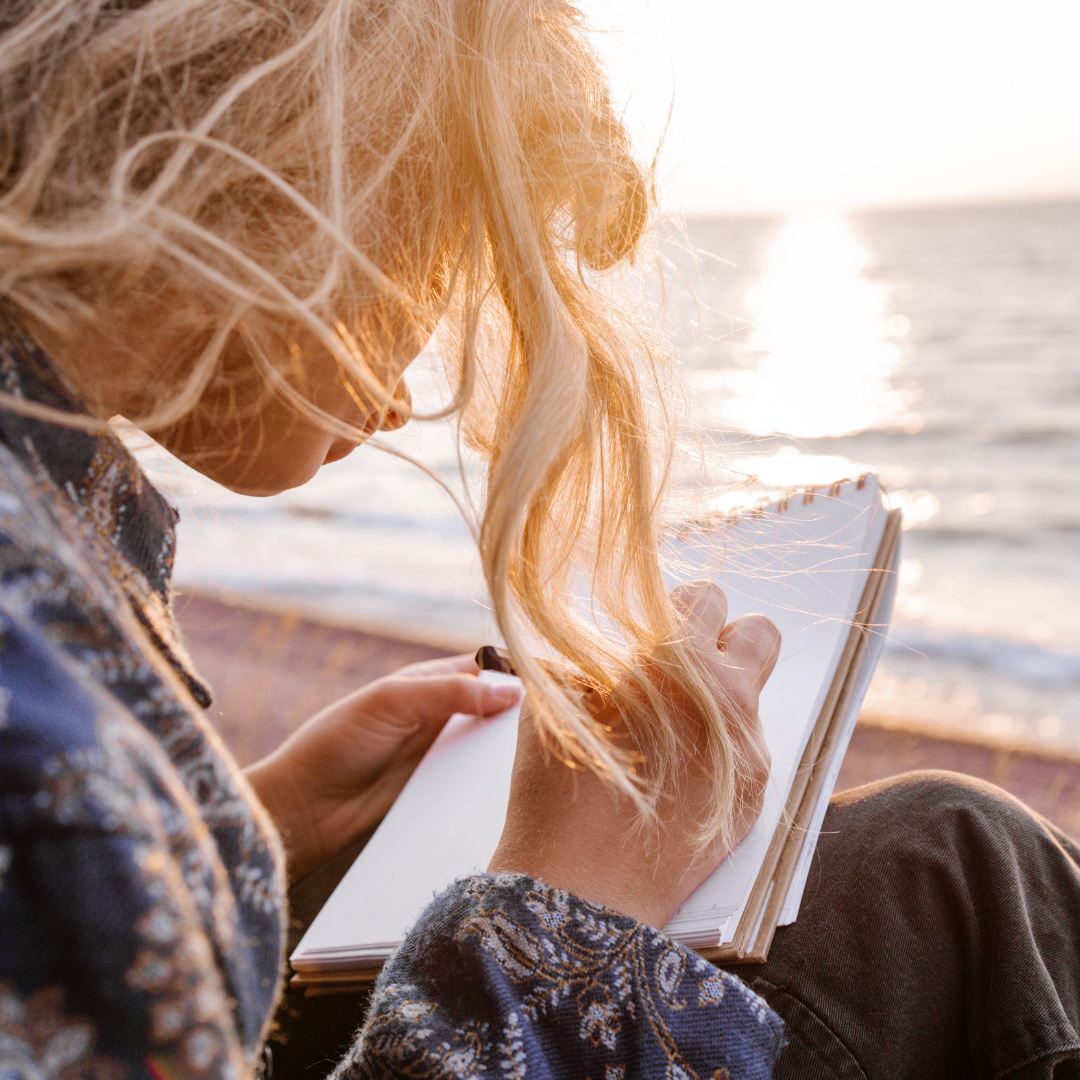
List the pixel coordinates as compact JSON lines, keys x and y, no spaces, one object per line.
{"x":571,"y":830}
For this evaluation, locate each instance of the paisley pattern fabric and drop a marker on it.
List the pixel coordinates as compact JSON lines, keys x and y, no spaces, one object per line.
{"x":141,"y":904}
{"x":505,"y":977}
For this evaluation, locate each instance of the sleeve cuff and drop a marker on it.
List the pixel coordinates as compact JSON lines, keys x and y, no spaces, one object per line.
{"x":506,"y":976}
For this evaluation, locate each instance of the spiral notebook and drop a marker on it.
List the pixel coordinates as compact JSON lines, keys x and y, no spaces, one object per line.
{"x":822,"y":566}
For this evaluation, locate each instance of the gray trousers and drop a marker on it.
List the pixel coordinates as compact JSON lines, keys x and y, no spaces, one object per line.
{"x":938,"y":939}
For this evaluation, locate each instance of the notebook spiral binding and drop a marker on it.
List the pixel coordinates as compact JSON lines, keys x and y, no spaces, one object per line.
{"x":722,"y":519}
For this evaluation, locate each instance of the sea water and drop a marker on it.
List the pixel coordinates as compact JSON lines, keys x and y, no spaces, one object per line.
{"x":938,"y":347}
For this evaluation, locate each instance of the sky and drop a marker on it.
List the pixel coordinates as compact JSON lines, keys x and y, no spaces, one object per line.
{"x":782,"y":105}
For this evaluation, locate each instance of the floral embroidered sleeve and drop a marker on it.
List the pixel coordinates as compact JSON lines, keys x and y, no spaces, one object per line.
{"x":505,"y":977}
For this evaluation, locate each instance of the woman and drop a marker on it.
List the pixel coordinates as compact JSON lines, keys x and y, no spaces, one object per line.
{"x":235,"y":224}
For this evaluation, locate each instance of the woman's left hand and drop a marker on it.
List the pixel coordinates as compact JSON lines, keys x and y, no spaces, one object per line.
{"x":340,"y":772}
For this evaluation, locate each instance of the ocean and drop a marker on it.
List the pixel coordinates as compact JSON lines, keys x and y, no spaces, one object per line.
{"x":939,"y":348}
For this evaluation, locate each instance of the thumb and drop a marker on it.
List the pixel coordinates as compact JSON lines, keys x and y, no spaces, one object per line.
{"x":752,"y":643}
{"x":433,"y":698}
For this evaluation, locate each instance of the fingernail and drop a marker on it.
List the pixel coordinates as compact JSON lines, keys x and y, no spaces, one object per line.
{"x":505,"y":695}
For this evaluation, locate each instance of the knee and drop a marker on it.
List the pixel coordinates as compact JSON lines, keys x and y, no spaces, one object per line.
{"x":940,"y":814}
{"x":929,"y":795}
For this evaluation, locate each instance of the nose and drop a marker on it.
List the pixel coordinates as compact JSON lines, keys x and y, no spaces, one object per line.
{"x":400,"y":412}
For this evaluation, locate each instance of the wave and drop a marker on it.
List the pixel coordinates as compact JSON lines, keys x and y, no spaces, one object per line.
{"x":1036,"y":665}
{"x":1035,"y":533}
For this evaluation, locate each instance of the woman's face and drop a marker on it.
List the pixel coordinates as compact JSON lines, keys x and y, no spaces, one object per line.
{"x":256,"y":443}
{"x":239,"y":433}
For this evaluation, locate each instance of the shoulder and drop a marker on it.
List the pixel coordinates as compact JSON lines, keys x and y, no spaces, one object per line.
{"x":116,"y":923}
{"x":135,"y":870}
{"x":45,"y":562}
{"x":49,"y":703}
{"x":60,"y":627}
{"x":71,"y":756}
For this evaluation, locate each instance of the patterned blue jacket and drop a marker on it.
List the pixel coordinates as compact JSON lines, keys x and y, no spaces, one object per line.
{"x":142,"y":909}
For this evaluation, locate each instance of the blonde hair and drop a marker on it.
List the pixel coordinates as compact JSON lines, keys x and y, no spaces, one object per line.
{"x":300,"y":164}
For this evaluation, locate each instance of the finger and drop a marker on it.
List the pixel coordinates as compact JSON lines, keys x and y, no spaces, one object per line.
{"x":445,"y":665}
{"x":751,"y":644}
{"x":703,"y":605}
{"x":436,"y":697}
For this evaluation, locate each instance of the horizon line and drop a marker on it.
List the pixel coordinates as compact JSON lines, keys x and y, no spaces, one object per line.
{"x":973,"y":202}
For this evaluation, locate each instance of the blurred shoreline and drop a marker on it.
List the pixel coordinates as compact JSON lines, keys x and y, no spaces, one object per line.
{"x":911,"y":692}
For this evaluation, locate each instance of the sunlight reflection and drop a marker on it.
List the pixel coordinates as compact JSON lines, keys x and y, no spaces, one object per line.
{"x":918,"y":508}
{"x":821,"y":350}
{"x":787,"y":469}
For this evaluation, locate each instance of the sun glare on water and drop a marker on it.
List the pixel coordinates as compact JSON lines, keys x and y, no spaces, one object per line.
{"x":821,"y":350}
